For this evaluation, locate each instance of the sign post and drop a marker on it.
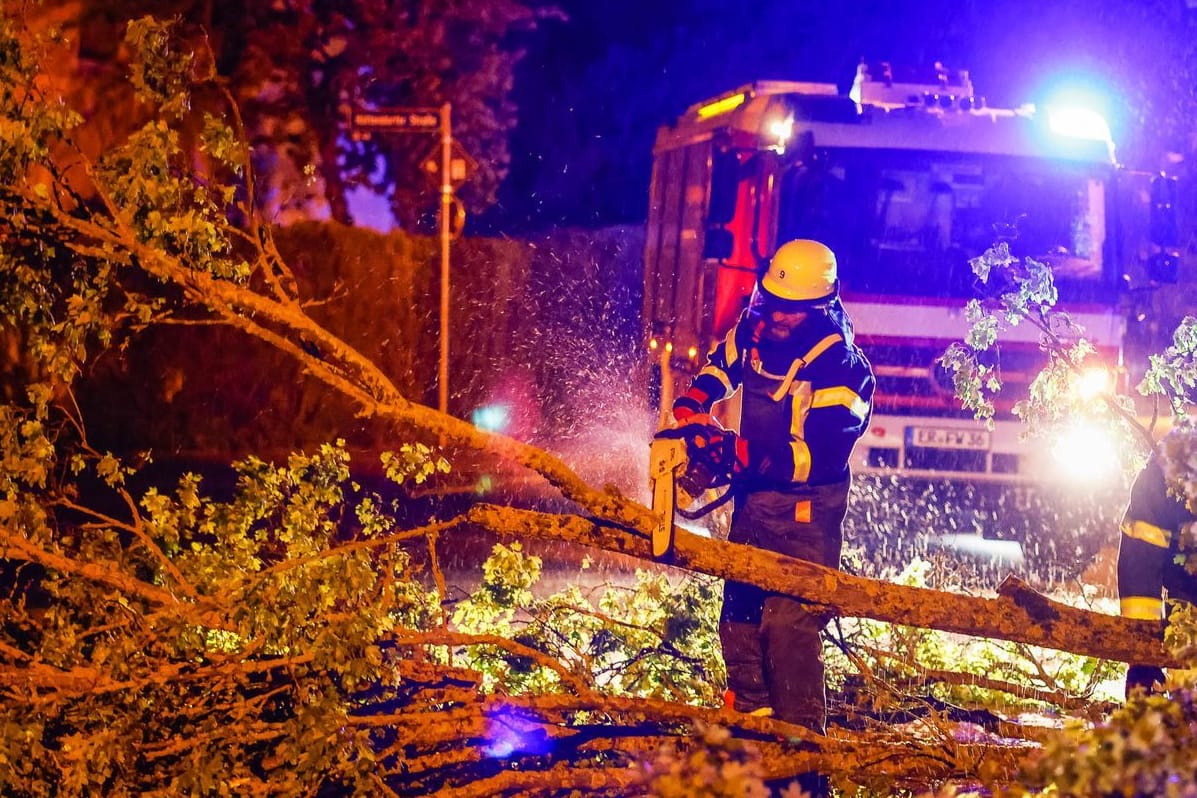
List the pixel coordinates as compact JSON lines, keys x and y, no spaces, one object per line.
{"x":443,"y":223}
{"x":448,"y":162}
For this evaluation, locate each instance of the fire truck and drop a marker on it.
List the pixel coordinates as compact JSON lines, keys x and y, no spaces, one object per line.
{"x":906,"y":181}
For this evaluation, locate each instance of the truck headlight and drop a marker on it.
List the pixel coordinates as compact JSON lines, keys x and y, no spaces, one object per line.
{"x":781,"y":130}
{"x":1092,"y":382}
{"x":1085,"y":452}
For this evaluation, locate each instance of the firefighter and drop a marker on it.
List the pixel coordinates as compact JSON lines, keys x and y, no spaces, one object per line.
{"x":807,"y":395}
{"x":1148,"y":562}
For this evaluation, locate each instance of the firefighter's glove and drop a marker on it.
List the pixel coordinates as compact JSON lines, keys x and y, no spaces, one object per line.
{"x":717,"y":456}
{"x":1148,"y":677}
{"x":724,"y":448}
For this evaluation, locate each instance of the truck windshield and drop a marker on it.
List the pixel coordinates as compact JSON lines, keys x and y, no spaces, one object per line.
{"x":907,"y":222}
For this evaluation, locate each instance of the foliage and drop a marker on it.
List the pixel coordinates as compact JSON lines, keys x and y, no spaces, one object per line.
{"x":649,"y":638}
{"x":1022,"y":291}
{"x":186,"y":642}
{"x":1145,"y":747}
{"x":889,"y":672}
{"x":1178,"y":458}
{"x":297,"y":68}
{"x":1025,"y":294}
{"x":1180,"y":636}
{"x":415,"y":462}
{"x":720,"y":767}
{"x":1172,"y":374}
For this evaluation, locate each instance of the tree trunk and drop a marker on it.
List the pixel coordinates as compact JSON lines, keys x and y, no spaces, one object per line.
{"x":1018,"y":614}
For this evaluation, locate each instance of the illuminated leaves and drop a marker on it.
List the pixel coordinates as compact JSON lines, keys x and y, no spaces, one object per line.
{"x":28,"y":130}
{"x":64,"y":271}
{"x":508,"y":575}
{"x":996,"y":256}
{"x":1037,"y":288}
{"x":222,"y":143}
{"x":646,"y":638}
{"x":983,"y":328}
{"x":975,"y":383}
{"x":161,"y":70}
{"x":1144,"y":748}
{"x":1172,"y":374}
{"x":721,"y":767}
{"x":26,"y":453}
{"x":279,"y":576}
{"x":1072,"y":388}
{"x":167,"y":208}
{"x":1180,"y":634}
{"x":414,"y":462}
{"x":1178,"y":458}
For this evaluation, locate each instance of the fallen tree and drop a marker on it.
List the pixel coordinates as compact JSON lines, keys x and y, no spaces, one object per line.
{"x":281,"y":641}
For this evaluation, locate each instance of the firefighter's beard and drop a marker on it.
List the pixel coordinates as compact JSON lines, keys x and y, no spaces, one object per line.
{"x":780,"y":327}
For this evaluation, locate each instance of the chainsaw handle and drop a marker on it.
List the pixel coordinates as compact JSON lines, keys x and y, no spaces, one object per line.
{"x":692,"y":431}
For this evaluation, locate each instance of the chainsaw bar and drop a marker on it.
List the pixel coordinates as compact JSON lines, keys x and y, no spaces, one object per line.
{"x":666,"y":460}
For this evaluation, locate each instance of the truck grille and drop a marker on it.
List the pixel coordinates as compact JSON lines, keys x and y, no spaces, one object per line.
{"x":910,"y":381}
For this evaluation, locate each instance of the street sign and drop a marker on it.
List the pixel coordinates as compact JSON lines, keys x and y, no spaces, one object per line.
{"x":363,"y":124}
{"x":461,"y":163}
{"x":396,"y":120}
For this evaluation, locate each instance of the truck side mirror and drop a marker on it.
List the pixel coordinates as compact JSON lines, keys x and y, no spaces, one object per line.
{"x":1162,"y":220}
{"x":1163,"y":266}
{"x":718,"y":243}
{"x":725,"y":186}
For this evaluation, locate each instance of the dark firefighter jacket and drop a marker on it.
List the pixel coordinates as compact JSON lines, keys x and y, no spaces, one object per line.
{"x":806,"y":401}
{"x":1147,"y":551}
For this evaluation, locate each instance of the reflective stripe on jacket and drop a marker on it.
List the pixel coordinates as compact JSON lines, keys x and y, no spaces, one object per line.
{"x":1148,"y":548}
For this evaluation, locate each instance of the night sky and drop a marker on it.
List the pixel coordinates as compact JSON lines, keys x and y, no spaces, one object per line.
{"x":593,"y":89}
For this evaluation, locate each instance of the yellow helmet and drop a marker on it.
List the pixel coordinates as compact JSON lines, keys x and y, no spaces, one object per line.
{"x":801,"y":271}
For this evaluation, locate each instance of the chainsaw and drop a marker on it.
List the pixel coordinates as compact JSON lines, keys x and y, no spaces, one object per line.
{"x":683,"y":465}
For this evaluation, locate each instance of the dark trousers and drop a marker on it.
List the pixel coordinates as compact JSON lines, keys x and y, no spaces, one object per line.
{"x":771,"y":643}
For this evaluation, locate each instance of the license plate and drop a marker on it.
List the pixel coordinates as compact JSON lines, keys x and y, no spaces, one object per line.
{"x":948,"y":438}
